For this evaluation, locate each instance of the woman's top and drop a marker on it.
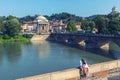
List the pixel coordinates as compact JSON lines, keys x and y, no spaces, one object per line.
{"x":85,"y":65}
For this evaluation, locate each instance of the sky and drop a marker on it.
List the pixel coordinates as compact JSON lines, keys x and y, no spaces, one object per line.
{"x":84,"y":8}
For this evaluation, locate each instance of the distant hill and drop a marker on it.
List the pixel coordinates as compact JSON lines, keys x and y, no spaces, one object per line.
{"x":65,"y":17}
{"x":93,"y":16}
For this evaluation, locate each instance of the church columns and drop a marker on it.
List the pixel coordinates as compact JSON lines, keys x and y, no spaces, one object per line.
{"x":41,"y":24}
{"x":44,"y":27}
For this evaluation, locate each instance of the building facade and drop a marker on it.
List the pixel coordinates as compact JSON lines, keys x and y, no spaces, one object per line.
{"x":78,"y":25}
{"x":27,"y":27}
{"x":41,"y":25}
{"x":58,"y":26}
{"x":114,"y":10}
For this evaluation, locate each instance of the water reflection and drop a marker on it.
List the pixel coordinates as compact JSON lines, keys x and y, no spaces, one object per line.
{"x":88,"y":55}
{"x":101,"y":52}
{"x":114,"y":50}
{"x":115,"y":54}
{"x":10,"y":52}
{"x":21,"y":60}
{"x":42,"y":48}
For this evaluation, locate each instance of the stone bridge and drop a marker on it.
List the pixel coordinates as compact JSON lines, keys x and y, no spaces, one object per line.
{"x":87,"y":40}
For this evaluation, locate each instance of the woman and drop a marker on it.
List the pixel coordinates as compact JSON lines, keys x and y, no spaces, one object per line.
{"x":84,"y":68}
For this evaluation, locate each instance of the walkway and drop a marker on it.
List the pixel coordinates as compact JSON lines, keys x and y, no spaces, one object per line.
{"x":114,"y":74}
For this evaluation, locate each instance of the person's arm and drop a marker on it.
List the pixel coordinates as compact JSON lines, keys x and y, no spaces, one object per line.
{"x":80,"y":63}
{"x":87,"y":67}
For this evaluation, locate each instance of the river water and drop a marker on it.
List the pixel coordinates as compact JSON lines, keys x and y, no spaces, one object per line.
{"x":20,"y":59}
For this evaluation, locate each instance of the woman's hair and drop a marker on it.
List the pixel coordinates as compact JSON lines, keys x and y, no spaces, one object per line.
{"x":83,"y":61}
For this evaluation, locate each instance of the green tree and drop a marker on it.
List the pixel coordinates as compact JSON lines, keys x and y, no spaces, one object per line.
{"x":1,"y":24}
{"x":71,"y":26}
{"x":92,"y":24}
{"x":10,"y":17}
{"x":102,"y":24}
{"x":27,"y":18}
{"x":114,"y":25}
{"x":115,"y":15}
{"x":11,"y":26}
{"x":85,"y":25}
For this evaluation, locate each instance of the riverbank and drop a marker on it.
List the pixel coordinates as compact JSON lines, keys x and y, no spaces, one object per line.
{"x":24,"y":38}
{"x":14,"y":40}
{"x":106,"y":70}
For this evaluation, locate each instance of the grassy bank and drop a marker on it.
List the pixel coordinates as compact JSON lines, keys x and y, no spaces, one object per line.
{"x":24,"y":38}
{"x":114,"y":46}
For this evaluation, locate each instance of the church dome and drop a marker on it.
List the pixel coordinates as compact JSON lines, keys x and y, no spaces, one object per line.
{"x":114,"y":9}
{"x":41,"y":18}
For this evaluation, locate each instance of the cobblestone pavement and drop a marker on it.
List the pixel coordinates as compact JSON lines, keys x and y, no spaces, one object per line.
{"x":114,"y":74}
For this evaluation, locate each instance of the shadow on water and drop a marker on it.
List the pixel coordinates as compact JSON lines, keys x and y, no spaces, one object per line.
{"x":101,"y":52}
{"x":97,"y":51}
{"x":115,"y":54}
{"x":114,"y":50}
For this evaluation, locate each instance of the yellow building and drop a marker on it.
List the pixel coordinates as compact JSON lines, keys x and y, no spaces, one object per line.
{"x":27,"y":26}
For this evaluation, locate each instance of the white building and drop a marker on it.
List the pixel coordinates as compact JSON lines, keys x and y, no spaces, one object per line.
{"x":41,"y":25}
{"x":114,"y":10}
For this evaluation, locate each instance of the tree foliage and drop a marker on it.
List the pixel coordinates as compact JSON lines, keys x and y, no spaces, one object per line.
{"x":87,"y":25}
{"x":27,"y":18}
{"x":65,"y":17}
{"x":11,"y":26}
{"x":102,"y":24}
{"x":1,"y":23}
{"x":71,"y":26}
{"x":114,"y":26}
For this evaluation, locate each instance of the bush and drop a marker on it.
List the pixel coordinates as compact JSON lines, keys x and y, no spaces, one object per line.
{"x":18,"y":37}
{"x":6,"y":36}
{"x":28,"y":35}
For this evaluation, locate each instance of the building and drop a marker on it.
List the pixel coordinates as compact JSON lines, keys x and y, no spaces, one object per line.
{"x":78,"y":25}
{"x":41,"y":25}
{"x":27,"y":27}
{"x":58,"y":26}
{"x":114,"y":10}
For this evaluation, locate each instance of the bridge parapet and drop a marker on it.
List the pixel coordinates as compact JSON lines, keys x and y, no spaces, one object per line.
{"x":74,"y":73}
{"x":91,"y":41}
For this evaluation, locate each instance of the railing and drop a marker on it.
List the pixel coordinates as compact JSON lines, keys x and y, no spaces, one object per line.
{"x":74,"y":73}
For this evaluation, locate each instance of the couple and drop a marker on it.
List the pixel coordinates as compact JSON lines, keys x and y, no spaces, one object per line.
{"x":83,"y":68}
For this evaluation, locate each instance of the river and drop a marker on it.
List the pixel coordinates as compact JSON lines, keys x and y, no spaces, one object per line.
{"x":20,"y":59}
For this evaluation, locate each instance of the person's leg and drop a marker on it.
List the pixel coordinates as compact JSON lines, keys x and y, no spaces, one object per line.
{"x":85,"y":75}
{"x":81,"y":72}
{"x":85,"y":72}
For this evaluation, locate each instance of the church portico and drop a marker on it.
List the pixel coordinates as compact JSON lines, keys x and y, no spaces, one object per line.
{"x":41,"y":25}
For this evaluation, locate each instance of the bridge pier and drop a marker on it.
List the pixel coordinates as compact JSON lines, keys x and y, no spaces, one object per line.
{"x":82,"y":43}
{"x":103,"y":44}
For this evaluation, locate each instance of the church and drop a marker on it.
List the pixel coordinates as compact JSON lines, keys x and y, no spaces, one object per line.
{"x":41,"y":25}
{"x":114,"y":10}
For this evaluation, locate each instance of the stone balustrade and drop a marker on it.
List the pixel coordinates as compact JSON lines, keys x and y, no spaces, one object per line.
{"x":74,"y":72}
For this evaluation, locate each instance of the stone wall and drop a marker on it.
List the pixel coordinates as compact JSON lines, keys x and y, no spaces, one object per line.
{"x":40,"y":37}
{"x":72,"y":73}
